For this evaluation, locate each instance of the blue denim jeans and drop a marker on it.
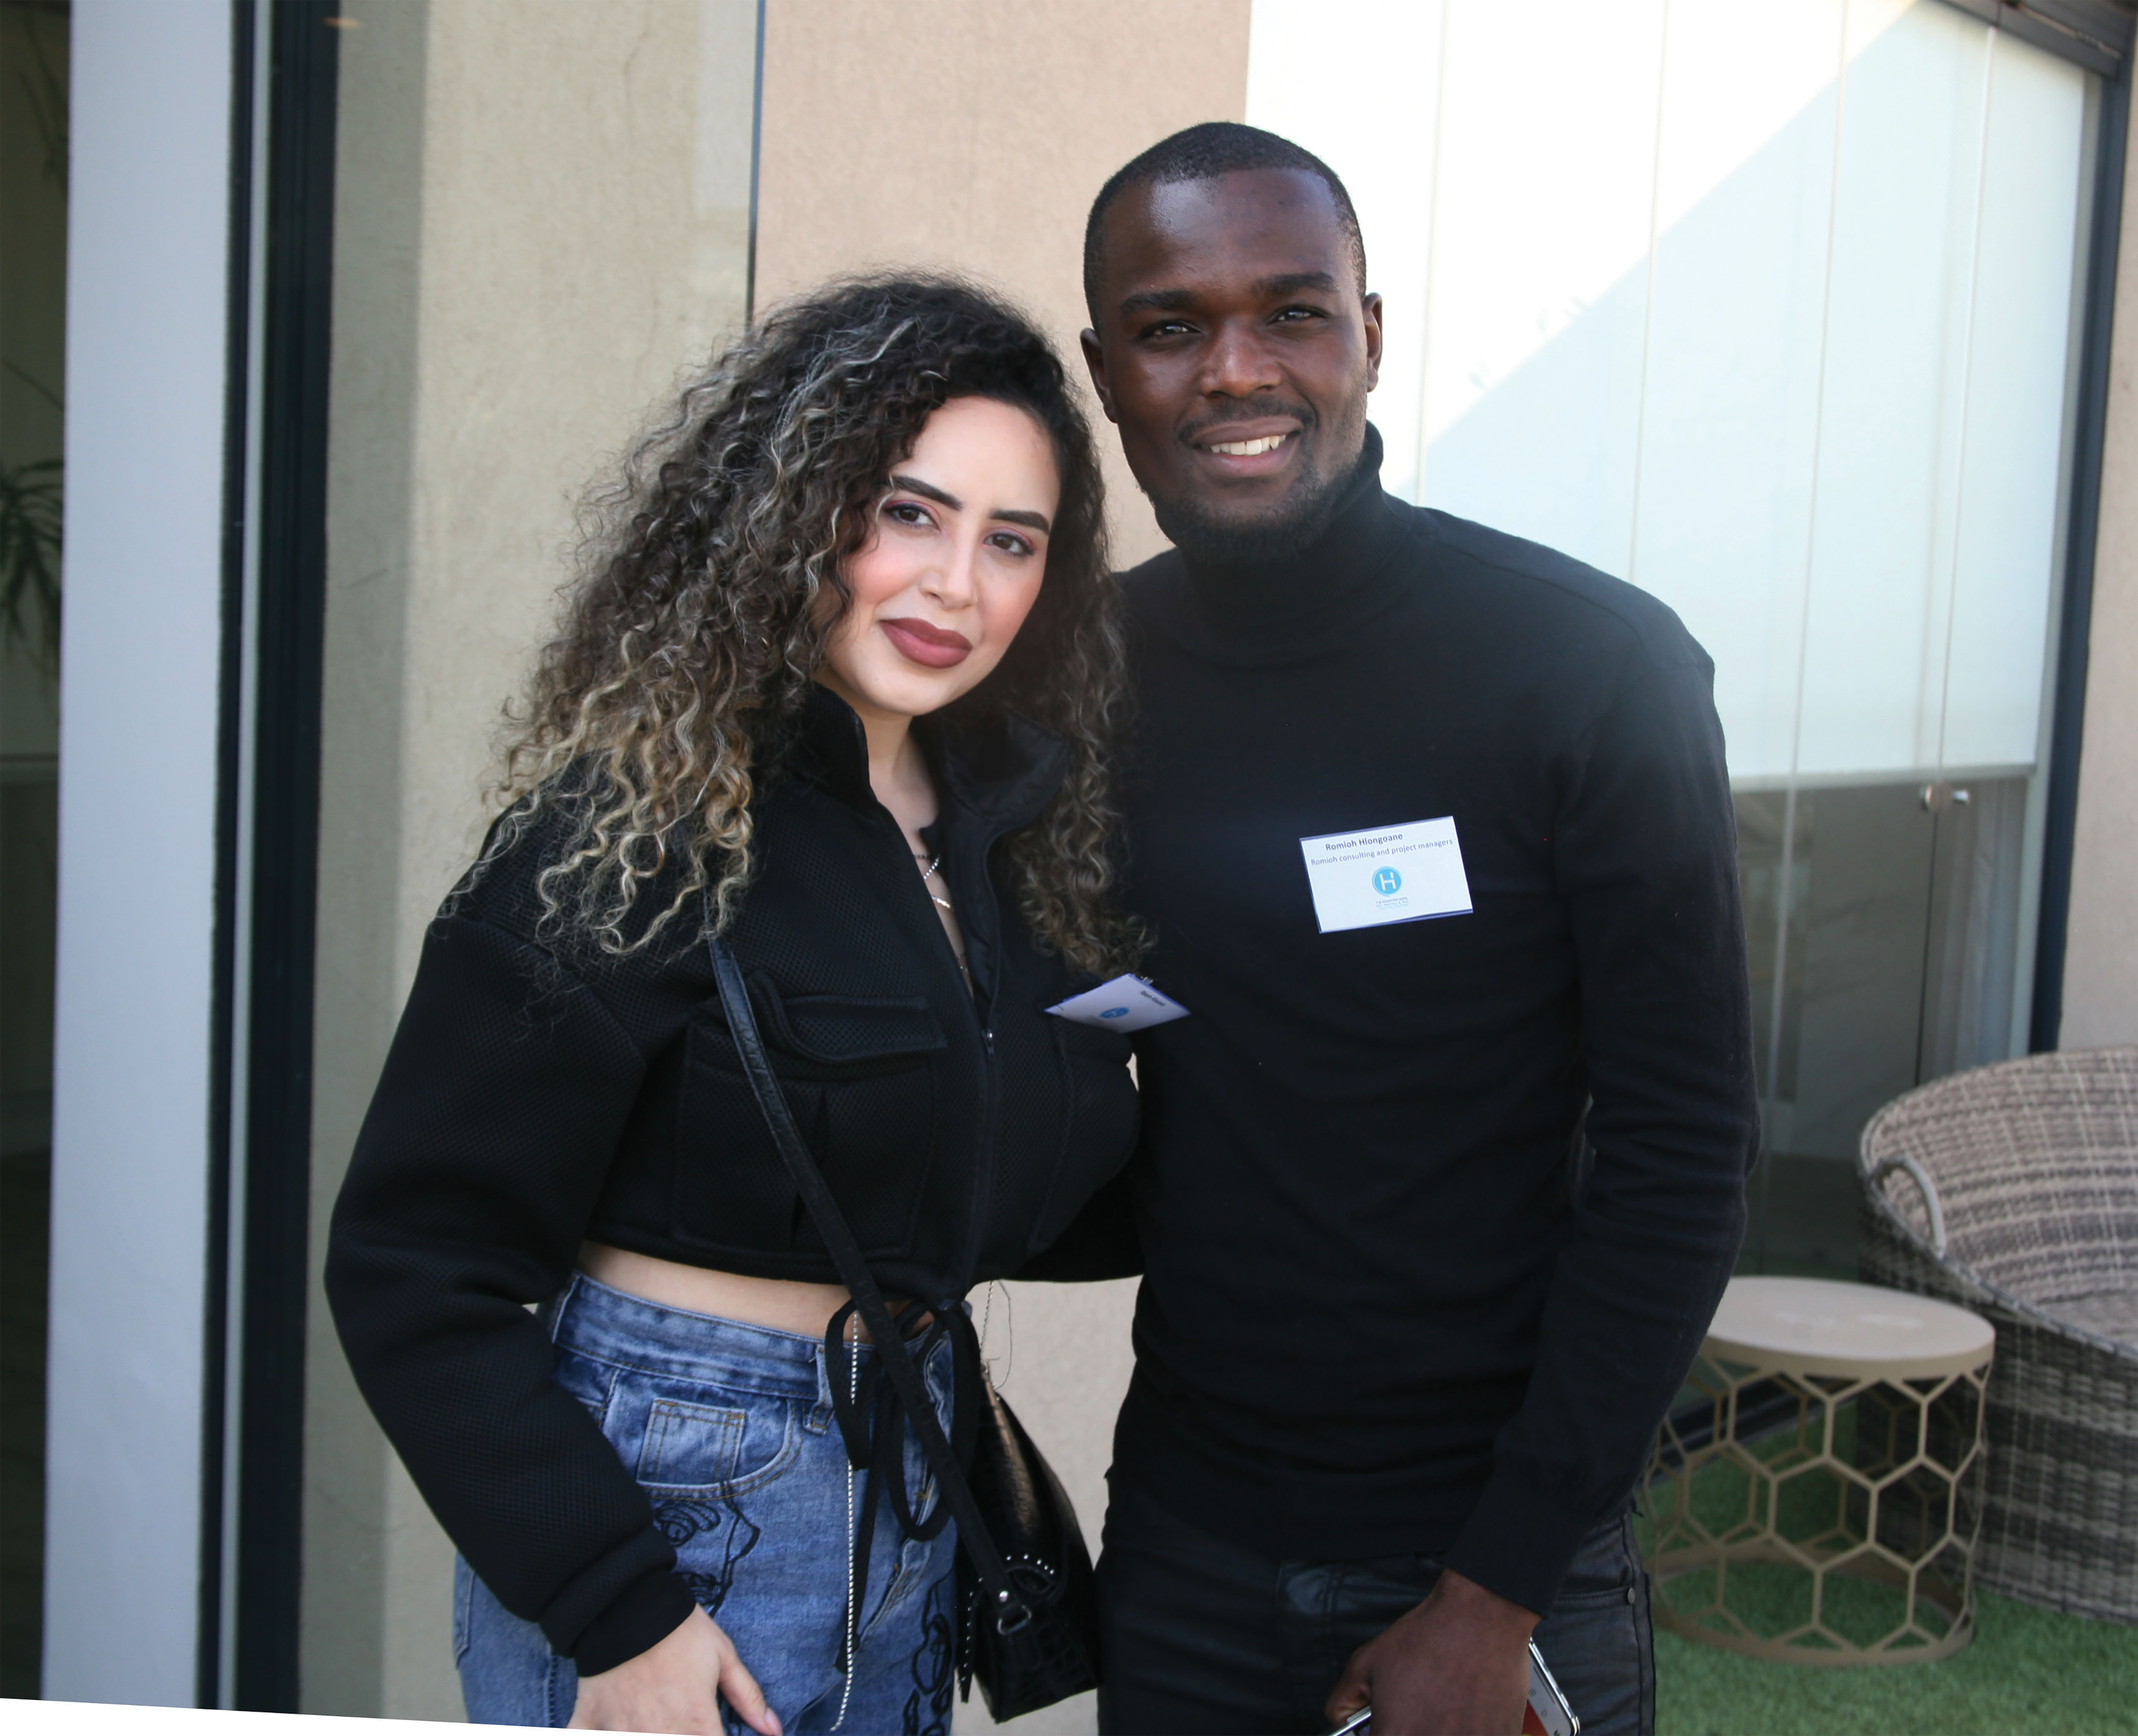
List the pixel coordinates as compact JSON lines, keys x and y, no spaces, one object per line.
{"x":729,"y":1427}
{"x":1199,"y":1634}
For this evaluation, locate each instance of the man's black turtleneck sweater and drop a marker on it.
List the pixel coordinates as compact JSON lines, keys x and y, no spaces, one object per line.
{"x":1394,"y":1301}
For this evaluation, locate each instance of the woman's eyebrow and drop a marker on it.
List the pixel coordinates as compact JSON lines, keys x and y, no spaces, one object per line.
{"x":1008,"y":515}
{"x":928,"y":491}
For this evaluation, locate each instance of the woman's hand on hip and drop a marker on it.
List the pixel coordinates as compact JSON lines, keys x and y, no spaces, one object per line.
{"x":677,"y":1686}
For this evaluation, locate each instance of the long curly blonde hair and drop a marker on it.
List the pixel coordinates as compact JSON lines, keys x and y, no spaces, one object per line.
{"x":712,"y":580}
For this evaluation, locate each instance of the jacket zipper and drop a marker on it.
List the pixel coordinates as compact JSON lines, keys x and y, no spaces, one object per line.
{"x":983,"y":1194}
{"x":984,"y":1168}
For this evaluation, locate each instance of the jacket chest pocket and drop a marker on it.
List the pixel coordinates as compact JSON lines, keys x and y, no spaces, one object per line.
{"x":860,"y":1077}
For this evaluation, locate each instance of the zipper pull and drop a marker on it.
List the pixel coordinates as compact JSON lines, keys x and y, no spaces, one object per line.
{"x":988,"y":1038}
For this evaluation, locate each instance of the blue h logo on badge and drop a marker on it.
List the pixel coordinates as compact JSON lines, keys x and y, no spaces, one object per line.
{"x":1115,"y":1012}
{"x":1386,"y":880}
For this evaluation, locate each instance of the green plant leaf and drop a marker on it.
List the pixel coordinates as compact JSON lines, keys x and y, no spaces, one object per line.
{"x":30,"y":503}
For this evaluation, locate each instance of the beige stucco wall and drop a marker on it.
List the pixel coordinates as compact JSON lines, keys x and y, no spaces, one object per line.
{"x":2101,"y":963}
{"x":542,"y":213}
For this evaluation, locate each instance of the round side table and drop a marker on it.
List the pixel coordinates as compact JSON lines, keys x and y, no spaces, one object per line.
{"x":1820,"y":1502}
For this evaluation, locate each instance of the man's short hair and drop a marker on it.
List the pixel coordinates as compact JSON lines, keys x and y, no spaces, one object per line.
{"x":1202,"y":153}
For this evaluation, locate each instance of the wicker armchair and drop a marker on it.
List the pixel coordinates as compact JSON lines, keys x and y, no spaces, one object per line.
{"x":2013,"y":1190}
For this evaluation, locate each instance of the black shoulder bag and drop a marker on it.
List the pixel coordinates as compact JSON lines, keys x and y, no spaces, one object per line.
{"x":1029,"y":1632}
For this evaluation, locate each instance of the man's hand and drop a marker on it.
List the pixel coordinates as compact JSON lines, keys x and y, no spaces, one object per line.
{"x":1458,"y":1664}
{"x":676,"y":1687}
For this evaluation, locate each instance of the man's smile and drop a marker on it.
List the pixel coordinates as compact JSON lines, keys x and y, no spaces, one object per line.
{"x":1241,"y":448}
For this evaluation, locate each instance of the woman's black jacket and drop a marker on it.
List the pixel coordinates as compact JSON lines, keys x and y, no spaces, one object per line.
{"x":537,"y":1096}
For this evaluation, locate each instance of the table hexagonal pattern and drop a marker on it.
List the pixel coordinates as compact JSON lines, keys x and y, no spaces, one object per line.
{"x":1820,"y":1502}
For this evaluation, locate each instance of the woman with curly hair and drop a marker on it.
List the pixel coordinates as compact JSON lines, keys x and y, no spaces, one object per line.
{"x":836,"y":686}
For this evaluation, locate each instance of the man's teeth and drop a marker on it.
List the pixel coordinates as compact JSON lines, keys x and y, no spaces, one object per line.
{"x":1249,"y":448}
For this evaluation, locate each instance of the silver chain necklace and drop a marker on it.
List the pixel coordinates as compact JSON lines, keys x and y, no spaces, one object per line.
{"x":928,"y":874}
{"x":942,"y":904}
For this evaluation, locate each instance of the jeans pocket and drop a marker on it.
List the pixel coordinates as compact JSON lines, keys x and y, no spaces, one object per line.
{"x":706,"y":1437}
{"x":706,"y":1455}
{"x":1595,"y":1640}
{"x":691,"y":1445}
{"x":1606,"y":1571}
{"x":698,"y":1444}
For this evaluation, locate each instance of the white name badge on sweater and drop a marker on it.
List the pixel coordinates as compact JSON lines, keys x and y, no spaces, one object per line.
{"x":1408,"y":873}
{"x":1127,"y":1003}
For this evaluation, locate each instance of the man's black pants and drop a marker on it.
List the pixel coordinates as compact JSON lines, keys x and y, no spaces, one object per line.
{"x":1202,"y":1637}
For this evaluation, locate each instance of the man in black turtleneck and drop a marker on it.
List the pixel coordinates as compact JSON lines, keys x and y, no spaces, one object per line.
{"x":1444,"y":1175}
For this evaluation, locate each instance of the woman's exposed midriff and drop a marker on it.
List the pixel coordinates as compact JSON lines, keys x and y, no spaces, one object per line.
{"x":781,"y":1303}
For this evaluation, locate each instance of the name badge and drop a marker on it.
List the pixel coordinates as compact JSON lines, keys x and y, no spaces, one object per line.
{"x":1127,"y":1003}
{"x":1410,"y":873}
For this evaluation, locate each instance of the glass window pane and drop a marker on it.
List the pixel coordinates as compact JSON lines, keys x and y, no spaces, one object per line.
{"x":2005,"y":562}
{"x":1731,"y":424}
{"x":1538,"y":295}
{"x":1891,"y":422}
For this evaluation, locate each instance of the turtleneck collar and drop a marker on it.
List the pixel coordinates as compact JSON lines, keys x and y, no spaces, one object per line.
{"x":1321,"y":585}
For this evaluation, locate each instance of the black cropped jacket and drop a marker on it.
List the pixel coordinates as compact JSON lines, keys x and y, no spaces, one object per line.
{"x":537,"y":1096}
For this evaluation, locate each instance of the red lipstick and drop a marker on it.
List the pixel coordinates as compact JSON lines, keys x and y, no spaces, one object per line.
{"x":932,"y":647}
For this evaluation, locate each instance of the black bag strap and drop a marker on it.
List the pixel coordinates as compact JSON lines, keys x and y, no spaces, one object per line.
{"x":1010,"y":1611}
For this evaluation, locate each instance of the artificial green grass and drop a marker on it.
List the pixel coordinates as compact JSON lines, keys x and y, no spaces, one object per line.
{"x":2028,"y":1670}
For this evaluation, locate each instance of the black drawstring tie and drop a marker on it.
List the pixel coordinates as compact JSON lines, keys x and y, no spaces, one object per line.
{"x":873,"y":1424}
